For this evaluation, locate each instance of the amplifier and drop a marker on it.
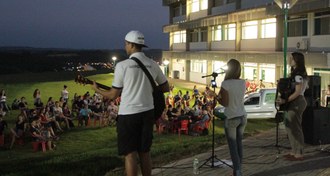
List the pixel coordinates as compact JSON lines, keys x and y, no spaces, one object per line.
{"x":316,"y":125}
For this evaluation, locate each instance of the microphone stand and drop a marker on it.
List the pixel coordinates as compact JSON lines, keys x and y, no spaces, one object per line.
{"x":213,"y":157}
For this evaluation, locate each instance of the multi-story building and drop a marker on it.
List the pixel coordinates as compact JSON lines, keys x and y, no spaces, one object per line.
{"x":205,"y":34}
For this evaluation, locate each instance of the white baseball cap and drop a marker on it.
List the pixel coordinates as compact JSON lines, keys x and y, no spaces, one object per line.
{"x":135,"y":37}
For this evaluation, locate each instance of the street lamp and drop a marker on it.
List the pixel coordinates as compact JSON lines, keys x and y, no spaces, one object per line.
{"x":166,"y":62}
{"x":285,"y":5}
{"x":114,"y":58}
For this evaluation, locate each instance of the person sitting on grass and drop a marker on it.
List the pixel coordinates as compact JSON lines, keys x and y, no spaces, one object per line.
{"x":40,"y":134}
{"x":18,"y":130}
{"x":84,"y":115}
{"x":201,"y":123}
{"x":98,"y":113}
{"x":58,"y":113}
{"x":47,"y":123}
{"x":38,"y":104}
{"x":49,"y":117}
{"x":112,"y":112}
{"x":3,"y":125}
{"x":68,"y":114}
{"x":23,"y":106}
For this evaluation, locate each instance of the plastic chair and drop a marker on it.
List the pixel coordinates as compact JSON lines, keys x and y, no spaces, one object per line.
{"x":184,"y":127}
{"x":36,"y":144}
{"x":198,"y":128}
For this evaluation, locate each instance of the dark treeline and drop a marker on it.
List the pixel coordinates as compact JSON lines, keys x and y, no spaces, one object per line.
{"x":34,"y":60}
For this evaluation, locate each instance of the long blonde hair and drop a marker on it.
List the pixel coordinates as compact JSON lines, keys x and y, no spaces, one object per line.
{"x":234,"y":69}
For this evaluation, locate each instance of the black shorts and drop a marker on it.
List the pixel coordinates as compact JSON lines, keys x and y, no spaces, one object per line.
{"x":135,"y":132}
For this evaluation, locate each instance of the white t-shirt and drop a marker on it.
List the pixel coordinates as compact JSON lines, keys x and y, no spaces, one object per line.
{"x":136,"y":88}
{"x":65,"y":93}
{"x":236,"y":91}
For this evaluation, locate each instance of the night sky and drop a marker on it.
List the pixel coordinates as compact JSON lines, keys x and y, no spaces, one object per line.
{"x":81,"y":24}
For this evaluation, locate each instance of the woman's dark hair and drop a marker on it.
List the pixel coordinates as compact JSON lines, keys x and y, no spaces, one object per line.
{"x":35,"y":93}
{"x":234,"y":69}
{"x":300,"y":65}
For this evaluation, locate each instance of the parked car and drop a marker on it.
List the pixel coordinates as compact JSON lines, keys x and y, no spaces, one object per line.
{"x":258,"y":105}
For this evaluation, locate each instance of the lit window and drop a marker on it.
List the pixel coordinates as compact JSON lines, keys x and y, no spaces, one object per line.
{"x":194,"y":5}
{"x":204,"y":4}
{"x":216,"y":33}
{"x":179,"y":37}
{"x":268,"y":28}
{"x":198,"y":5}
{"x":250,"y":30}
{"x":230,"y":32}
{"x":198,"y":66}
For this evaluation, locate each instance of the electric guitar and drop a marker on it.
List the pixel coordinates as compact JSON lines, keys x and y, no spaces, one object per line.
{"x":82,"y":80}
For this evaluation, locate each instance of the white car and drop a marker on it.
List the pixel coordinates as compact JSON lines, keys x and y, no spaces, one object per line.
{"x":257,"y":105}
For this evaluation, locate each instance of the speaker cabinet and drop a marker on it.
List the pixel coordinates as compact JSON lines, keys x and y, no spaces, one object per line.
{"x":316,"y":125}
{"x":313,"y":93}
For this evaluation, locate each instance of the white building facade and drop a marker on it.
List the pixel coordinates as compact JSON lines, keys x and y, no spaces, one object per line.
{"x":205,"y":34}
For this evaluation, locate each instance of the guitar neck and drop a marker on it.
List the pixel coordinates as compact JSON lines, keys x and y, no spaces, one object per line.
{"x":82,"y":80}
{"x":103,"y":86}
{"x":98,"y":84}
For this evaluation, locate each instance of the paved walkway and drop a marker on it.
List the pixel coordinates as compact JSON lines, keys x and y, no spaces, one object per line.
{"x":261,"y":156}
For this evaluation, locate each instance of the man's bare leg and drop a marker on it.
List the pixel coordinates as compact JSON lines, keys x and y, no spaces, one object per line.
{"x":146,"y":165}
{"x":131,"y":164}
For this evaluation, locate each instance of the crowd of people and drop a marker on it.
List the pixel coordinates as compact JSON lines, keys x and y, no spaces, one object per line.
{"x":196,"y":108}
{"x":46,"y":121}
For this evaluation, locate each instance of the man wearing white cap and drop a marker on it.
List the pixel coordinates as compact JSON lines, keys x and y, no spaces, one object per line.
{"x":136,"y":110}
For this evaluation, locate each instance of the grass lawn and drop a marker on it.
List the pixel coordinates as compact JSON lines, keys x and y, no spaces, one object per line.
{"x":93,"y":150}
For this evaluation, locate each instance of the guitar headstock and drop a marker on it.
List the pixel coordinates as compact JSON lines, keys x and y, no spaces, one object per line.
{"x":82,"y":80}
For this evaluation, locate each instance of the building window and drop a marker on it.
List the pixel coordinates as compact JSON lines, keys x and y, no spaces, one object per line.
{"x":268,"y":28}
{"x":322,"y":23}
{"x":267,"y":72}
{"x":203,"y":34}
{"x":217,"y":3}
{"x":250,"y":70}
{"x":198,"y":66}
{"x":297,"y":26}
{"x":194,"y":35}
{"x":230,"y":32}
{"x":250,"y":30}
{"x":216,"y":33}
{"x":219,"y":66}
{"x":176,"y":11}
{"x":179,"y":37}
{"x":198,"y":5}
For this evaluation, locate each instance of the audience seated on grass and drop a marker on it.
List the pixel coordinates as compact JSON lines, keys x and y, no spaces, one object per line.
{"x":58,"y":113}
{"x":18,"y":131}
{"x":98,"y":114}
{"x":84,"y":115}
{"x":40,"y":134}
{"x":68,"y":114}
{"x":111,"y":112}
{"x":48,"y":117}
{"x":46,"y":122}
{"x":200,"y":125}
{"x":3,"y":125}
